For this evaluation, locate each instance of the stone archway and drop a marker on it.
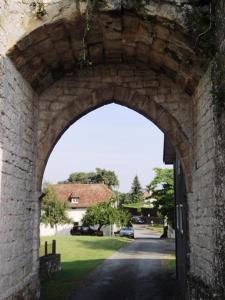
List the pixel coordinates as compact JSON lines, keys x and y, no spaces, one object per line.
{"x":154,"y":96}
{"x":152,"y":70}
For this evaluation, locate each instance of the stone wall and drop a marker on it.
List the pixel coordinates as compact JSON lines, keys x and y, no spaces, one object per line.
{"x":201,"y":201}
{"x":155,"y":74}
{"x":49,"y":265}
{"x":219,"y":120}
{"x":154,"y":95}
{"x":18,"y":202}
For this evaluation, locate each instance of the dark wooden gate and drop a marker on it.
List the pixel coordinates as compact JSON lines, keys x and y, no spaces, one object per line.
{"x":181,"y":228}
{"x":170,"y":157}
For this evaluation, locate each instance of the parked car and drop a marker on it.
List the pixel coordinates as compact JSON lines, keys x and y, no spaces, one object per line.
{"x":127,"y":231}
{"x":137,"y":220}
{"x":85,"y":230}
{"x":116,"y":233}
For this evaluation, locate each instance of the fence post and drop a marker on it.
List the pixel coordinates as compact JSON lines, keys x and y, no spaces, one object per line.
{"x":46,"y":248}
{"x":54,"y":247}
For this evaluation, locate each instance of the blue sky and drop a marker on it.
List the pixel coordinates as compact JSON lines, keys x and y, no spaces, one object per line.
{"x":111,"y":137}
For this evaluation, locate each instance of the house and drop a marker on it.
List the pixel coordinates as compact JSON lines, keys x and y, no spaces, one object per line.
{"x":79,"y":197}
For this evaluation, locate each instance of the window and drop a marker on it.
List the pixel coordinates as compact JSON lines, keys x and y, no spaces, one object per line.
{"x":75,"y":200}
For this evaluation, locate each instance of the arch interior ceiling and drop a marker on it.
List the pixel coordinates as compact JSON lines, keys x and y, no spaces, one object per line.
{"x":53,"y":49}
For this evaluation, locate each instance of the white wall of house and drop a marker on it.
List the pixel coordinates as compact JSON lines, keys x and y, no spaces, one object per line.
{"x":48,"y":231}
{"x":76,"y":215}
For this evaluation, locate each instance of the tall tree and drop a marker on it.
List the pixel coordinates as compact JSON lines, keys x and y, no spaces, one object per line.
{"x":136,"y":191}
{"x":162,"y":187}
{"x":54,"y":211}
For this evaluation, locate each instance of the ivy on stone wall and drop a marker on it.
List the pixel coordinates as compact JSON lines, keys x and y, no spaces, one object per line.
{"x":200,"y":22}
{"x":92,"y":7}
{"x":218,"y":83}
{"x":37,"y":7}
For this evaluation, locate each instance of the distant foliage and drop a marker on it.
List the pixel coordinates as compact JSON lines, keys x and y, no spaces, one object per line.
{"x":54,"y":212}
{"x":122,"y":198}
{"x":162,"y":187}
{"x":107,"y":177}
{"x":82,"y":177}
{"x":136,"y":194}
{"x":103,"y":214}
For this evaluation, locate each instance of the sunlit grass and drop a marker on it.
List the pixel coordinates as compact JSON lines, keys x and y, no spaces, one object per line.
{"x":79,"y":256}
{"x":169,"y":263}
{"x":157,"y":228}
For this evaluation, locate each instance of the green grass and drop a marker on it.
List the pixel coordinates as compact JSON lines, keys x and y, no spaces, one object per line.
{"x":158,"y":228}
{"x":169,"y":264}
{"x":79,"y":256}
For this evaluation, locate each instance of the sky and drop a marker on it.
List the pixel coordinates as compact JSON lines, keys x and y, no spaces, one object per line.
{"x":112,"y":137}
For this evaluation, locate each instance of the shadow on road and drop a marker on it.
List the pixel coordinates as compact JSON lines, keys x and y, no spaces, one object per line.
{"x":144,"y":269}
{"x":130,"y":280}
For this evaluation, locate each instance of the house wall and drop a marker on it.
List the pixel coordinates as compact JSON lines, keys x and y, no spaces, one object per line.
{"x":76,"y":215}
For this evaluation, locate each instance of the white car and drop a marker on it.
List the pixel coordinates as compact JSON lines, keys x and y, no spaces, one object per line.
{"x":127,"y":231}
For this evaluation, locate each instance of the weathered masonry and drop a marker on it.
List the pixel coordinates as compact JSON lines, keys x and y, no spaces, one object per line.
{"x":144,"y":56}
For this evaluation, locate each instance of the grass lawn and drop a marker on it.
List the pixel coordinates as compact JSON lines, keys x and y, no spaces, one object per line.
{"x":169,"y":263}
{"x":79,"y":256}
{"x":158,"y":228}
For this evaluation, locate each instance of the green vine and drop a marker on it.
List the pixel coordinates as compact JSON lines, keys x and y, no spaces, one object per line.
{"x":94,"y":6}
{"x":37,"y":7}
{"x":218,"y":84}
{"x":200,"y":22}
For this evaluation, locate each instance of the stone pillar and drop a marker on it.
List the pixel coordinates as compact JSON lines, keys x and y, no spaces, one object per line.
{"x":19,"y":207}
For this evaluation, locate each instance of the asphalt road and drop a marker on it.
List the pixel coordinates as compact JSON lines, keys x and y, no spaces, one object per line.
{"x":138,"y":271}
{"x":141,"y":232}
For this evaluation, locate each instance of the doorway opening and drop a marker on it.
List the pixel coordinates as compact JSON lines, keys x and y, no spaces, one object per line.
{"x":116,"y":138}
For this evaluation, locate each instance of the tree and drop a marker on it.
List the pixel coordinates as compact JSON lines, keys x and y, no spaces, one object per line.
{"x":122,"y":198}
{"x":162,"y":187}
{"x":122,"y":217}
{"x":82,"y":177}
{"x":136,"y":191}
{"x":107,"y":177}
{"x":99,"y":214}
{"x":102,"y":214}
{"x":53,"y":210}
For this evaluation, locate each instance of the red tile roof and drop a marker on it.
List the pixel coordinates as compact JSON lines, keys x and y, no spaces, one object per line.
{"x":147,"y":194}
{"x":88,"y":194}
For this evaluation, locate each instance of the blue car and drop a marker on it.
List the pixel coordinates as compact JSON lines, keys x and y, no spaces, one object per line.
{"x":127,"y":231}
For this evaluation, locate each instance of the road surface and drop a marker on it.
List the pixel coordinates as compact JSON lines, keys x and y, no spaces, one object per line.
{"x":139,"y":271}
{"x":140,"y":231}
